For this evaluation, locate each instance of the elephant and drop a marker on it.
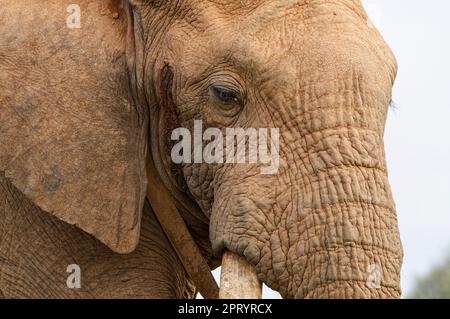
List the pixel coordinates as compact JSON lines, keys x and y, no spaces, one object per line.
{"x":86,"y":100}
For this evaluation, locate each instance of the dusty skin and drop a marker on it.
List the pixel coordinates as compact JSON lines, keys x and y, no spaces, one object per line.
{"x":80,"y":109}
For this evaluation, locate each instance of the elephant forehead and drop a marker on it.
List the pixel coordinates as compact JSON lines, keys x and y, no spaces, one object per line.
{"x":319,"y":34}
{"x":265,"y":10}
{"x":299,"y":39}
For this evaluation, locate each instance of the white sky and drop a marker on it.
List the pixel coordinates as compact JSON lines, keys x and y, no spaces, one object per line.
{"x":418,"y":131}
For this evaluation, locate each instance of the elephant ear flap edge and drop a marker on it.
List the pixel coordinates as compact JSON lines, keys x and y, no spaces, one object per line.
{"x":92,"y":183}
{"x":82,"y":160}
{"x":103,"y":196}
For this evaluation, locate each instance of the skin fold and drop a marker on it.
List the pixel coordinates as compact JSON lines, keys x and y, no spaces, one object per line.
{"x":81,"y":109}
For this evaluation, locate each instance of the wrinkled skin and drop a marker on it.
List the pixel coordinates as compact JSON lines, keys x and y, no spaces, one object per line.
{"x":314,"y":69}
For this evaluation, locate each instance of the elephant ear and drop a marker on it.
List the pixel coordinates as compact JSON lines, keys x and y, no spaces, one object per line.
{"x":71,"y":138}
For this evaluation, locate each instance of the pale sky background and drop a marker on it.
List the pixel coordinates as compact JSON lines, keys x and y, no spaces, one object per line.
{"x":418,"y":130}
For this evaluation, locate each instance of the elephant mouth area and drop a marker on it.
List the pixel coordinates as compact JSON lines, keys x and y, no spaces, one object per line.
{"x":337,"y":260}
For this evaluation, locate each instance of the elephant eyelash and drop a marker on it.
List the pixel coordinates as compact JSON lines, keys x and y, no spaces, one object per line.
{"x":393,"y":105}
{"x":226,"y":95}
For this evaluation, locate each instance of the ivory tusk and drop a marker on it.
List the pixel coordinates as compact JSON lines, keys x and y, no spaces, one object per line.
{"x":238,"y":278}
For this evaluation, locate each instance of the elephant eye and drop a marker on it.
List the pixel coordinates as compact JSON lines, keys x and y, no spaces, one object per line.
{"x":226,"y":95}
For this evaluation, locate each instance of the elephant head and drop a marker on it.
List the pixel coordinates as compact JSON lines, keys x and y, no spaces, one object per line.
{"x":321,"y":224}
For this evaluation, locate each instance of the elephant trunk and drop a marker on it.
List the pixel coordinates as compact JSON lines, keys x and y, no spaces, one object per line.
{"x":341,"y":234}
{"x":346,"y":243}
{"x":340,"y":238}
{"x":324,"y":227}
